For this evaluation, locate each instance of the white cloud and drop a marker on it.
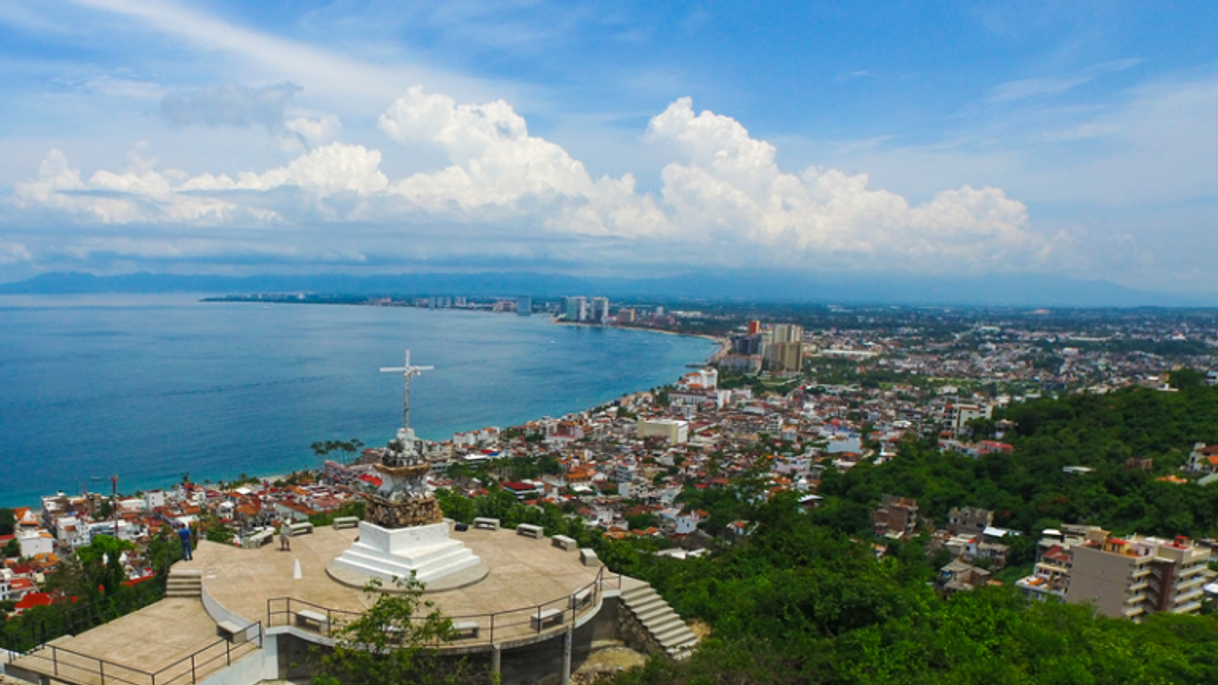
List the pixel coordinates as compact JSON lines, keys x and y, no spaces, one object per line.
{"x":1023,"y":89}
{"x":315,"y":131}
{"x":723,"y":201}
{"x":729,"y":189}
{"x":13,"y":253}
{"x":498,"y":166}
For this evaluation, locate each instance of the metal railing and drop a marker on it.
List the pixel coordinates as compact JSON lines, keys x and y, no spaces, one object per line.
{"x":73,"y":666}
{"x":469,"y":630}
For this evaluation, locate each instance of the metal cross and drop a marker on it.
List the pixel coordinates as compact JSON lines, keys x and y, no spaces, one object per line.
{"x":407,"y":372}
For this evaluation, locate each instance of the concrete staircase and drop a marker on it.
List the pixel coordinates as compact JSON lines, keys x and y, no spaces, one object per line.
{"x":184,"y":583}
{"x":660,"y":621}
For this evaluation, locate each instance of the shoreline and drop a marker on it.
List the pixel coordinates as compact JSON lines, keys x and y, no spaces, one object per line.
{"x":724,"y":343}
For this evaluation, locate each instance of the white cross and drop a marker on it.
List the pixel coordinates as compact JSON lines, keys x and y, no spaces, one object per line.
{"x":407,"y":372}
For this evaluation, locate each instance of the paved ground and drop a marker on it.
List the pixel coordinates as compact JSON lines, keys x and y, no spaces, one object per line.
{"x":157,"y":639}
{"x":524,"y":572}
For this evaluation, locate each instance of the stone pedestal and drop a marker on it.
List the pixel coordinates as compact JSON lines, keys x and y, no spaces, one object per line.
{"x":404,"y":513}
{"x":438,"y":562}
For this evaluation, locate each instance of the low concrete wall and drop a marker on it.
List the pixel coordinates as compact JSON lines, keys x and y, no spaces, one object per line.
{"x":220,"y":614}
{"x":247,"y":671}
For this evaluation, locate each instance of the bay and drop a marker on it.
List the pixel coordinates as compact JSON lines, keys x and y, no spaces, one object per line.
{"x":150,"y":388}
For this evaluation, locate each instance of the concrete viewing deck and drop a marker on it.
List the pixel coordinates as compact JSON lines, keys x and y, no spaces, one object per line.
{"x":153,"y":645}
{"x":532,"y":591}
{"x":523,"y":575}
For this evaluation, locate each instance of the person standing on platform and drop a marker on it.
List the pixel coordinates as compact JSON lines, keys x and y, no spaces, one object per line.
{"x":285,"y":536}
{"x":184,"y":536}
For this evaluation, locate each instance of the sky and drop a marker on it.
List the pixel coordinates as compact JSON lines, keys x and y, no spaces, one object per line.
{"x":625,"y":138}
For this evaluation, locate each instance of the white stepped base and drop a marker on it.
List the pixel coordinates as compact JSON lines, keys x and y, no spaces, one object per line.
{"x":425,"y":551}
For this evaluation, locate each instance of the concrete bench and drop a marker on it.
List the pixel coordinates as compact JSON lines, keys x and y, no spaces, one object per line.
{"x":486,"y":522}
{"x":546,"y":616}
{"x":232,"y":632}
{"x":346,"y":522}
{"x":305,"y":617}
{"x":563,"y":541}
{"x":465,"y":629}
{"x":581,"y":599}
{"x":536,"y":532}
{"x":587,"y":557}
{"x":301,"y":528}
{"x":258,"y":539}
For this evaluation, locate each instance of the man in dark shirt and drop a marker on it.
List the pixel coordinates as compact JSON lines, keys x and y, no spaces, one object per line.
{"x":184,"y":534}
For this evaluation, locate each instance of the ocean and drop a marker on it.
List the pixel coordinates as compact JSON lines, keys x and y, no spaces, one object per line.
{"x":151,"y":388}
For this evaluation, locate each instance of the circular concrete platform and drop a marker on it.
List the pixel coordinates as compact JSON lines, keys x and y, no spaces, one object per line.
{"x":510,"y":596}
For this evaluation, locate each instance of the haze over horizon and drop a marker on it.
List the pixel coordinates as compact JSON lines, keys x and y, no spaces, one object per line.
{"x":1072,"y":140}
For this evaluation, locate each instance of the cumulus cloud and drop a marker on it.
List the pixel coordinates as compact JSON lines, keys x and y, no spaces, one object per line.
{"x":497,"y":166}
{"x":723,"y":200}
{"x":729,"y":189}
{"x":230,"y":105}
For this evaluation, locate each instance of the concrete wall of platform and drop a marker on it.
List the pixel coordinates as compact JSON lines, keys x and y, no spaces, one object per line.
{"x":295,"y":657}
{"x":542,"y":659}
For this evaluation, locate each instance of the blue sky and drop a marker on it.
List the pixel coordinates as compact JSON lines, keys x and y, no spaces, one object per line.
{"x":630,"y":138}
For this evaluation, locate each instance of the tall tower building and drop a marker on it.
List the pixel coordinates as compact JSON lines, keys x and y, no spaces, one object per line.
{"x":575,"y":308}
{"x":600,"y":309}
{"x":524,"y":305}
{"x":787,"y":333}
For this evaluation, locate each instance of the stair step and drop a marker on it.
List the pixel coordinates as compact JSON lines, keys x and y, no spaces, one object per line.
{"x":637,"y":590}
{"x":657,"y":609}
{"x":674,"y":637}
{"x":669,"y":628}
{"x":685,"y":645}
{"x":664,"y":624}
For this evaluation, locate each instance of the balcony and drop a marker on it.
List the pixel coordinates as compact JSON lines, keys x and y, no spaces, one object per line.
{"x":1133,"y":611}
{"x":1140,"y":572}
{"x":1188,"y":596}
{"x":1190,"y":583}
{"x":1138,"y":585}
{"x":1186,"y":608}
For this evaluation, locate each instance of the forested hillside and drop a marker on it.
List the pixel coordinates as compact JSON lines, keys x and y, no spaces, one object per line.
{"x":1028,"y":490}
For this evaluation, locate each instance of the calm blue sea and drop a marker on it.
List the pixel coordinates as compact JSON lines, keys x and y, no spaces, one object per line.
{"x":151,"y":387}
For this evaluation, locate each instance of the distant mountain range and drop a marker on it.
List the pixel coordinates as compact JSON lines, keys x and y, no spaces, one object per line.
{"x":1029,"y":290}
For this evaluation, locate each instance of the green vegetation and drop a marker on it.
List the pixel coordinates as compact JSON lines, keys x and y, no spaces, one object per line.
{"x":798,"y":603}
{"x":91,"y":591}
{"x":1028,"y":491}
{"x":393,"y":642}
{"x":8,"y":522}
{"x":348,"y":447}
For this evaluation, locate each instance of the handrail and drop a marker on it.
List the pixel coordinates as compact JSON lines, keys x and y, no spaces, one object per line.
{"x":149,"y":677}
{"x":537,"y":617}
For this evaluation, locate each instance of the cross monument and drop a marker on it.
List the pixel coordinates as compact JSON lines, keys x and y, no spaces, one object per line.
{"x":407,"y":372}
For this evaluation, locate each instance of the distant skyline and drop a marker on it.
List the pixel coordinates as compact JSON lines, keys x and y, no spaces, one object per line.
{"x":1072,"y":139}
